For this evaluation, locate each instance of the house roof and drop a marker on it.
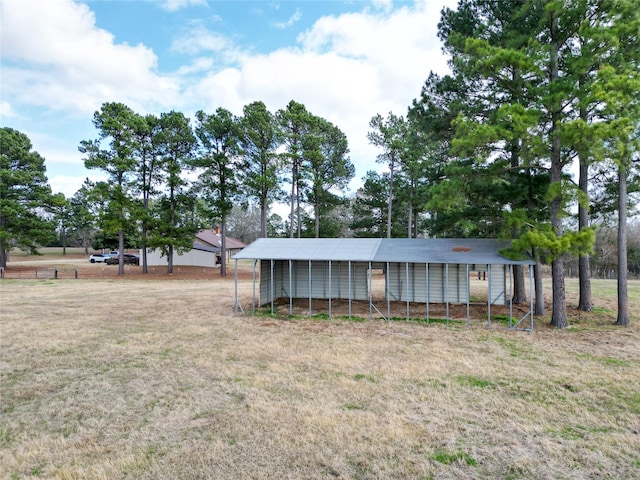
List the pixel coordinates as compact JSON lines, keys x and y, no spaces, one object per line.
{"x":205,"y":248}
{"x":412,"y":250}
{"x":210,"y":237}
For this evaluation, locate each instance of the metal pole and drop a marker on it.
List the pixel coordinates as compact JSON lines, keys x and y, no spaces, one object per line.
{"x":386,"y":287}
{"x":253,"y":288}
{"x":446,"y":288}
{"x":531,"y":294}
{"x":330,"y":289}
{"x":510,"y":295}
{"x":309,"y":274}
{"x":488,"y":294}
{"x":426,"y":269}
{"x":370,"y":292}
{"x":235,"y":289}
{"x":407,"y":288}
{"x":290,"y":287}
{"x":468,"y":295}
{"x":271,"y":287}
{"x":349,"y":288}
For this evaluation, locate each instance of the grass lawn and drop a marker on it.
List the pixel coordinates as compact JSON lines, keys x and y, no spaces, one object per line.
{"x":148,"y":379}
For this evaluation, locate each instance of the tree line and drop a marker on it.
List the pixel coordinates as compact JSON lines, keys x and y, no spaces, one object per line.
{"x":533,"y":136}
{"x":536,"y":87}
{"x":167,"y":179}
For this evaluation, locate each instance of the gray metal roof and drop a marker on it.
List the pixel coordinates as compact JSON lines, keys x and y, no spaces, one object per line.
{"x":334,"y":249}
{"x":205,"y":248}
{"x":412,"y":250}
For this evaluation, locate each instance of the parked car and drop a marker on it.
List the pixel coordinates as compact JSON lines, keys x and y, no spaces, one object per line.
{"x":128,"y":259}
{"x":99,"y":257}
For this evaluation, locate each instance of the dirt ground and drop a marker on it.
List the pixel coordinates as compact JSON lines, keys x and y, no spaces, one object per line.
{"x":70,"y":265}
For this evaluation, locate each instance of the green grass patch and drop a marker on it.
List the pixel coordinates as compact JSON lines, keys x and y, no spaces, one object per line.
{"x":352,"y":318}
{"x":448,"y":458}
{"x":612,"y":361}
{"x":470,"y":380}
{"x":363,"y":376}
{"x":511,"y":346}
{"x":602,"y":310}
{"x":265,"y":312}
{"x":502,"y":319}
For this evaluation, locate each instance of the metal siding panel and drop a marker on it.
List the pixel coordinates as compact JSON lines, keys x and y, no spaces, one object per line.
{"x":265,"y":281}
{"x":409,"y":285}
{"x":300,"y":279}
{"x":360,"y":281}
{"x":463,"y":292}
{"x":436,"y":283}
{"x":498,"y":284}
{"x":453,"y":292}
{"x":319,"y":279}
{"x":418,"y":281}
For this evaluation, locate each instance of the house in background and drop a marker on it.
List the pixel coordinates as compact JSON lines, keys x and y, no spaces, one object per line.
{"x":205,"y":252}
{"x":213,"y":238}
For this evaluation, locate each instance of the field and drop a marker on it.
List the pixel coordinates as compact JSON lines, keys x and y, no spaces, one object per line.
{"x":155,"y":378}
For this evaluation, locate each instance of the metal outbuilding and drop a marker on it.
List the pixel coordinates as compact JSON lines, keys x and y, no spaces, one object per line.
{"x":415,"y":270}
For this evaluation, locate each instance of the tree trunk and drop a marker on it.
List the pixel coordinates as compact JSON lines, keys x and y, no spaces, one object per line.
{"x":559,"y":310}
{"x":316,"y":210}
{"x":263,"y":217}
{"x":584,"y":262}
{"x":170,"y":260}
{"x":223,"y":246}
{"x":298,"y":213}
{"x":63,"y":235}
{"x":145,"y":268}
{"x":294,"y":183}
{"x":120,"y":252}
{"x":410,"y":215}
{"x":515,"y":146}
{"x":390,"y":203}
{"x":519,"y":292}
{"x":144,"y":233}
{"x":539,"y":293}
{"x":3,"y":255}
{"x":623,"y":300}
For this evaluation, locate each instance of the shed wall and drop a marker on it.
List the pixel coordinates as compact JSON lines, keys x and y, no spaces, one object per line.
{"x":446,"y":284}
{"x":406,"y":281}
{"x":322,"y":284}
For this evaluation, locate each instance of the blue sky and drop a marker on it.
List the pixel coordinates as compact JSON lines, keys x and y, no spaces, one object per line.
{"x":345,"y":61}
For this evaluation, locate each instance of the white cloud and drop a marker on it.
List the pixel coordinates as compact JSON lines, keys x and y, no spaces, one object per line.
{"x":198,"y":40}
{"x":344,"y":68}
{"x":175,"y":5}
{"x":289,"y":23}
{"x":5,"y":110}
{"x":55,"y":56}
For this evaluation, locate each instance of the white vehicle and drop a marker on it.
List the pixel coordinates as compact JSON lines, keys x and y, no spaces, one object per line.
{"x":99,"y":257}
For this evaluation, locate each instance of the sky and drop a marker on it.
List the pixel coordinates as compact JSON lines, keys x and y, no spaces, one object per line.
{"x":346,"y":61}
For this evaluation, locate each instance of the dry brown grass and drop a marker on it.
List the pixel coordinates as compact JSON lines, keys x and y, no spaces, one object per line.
{"x":111,"y":379}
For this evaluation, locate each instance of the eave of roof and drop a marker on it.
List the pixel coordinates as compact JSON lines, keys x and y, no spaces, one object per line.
{"x":411,"y":250}
{"x":210,"y":237}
